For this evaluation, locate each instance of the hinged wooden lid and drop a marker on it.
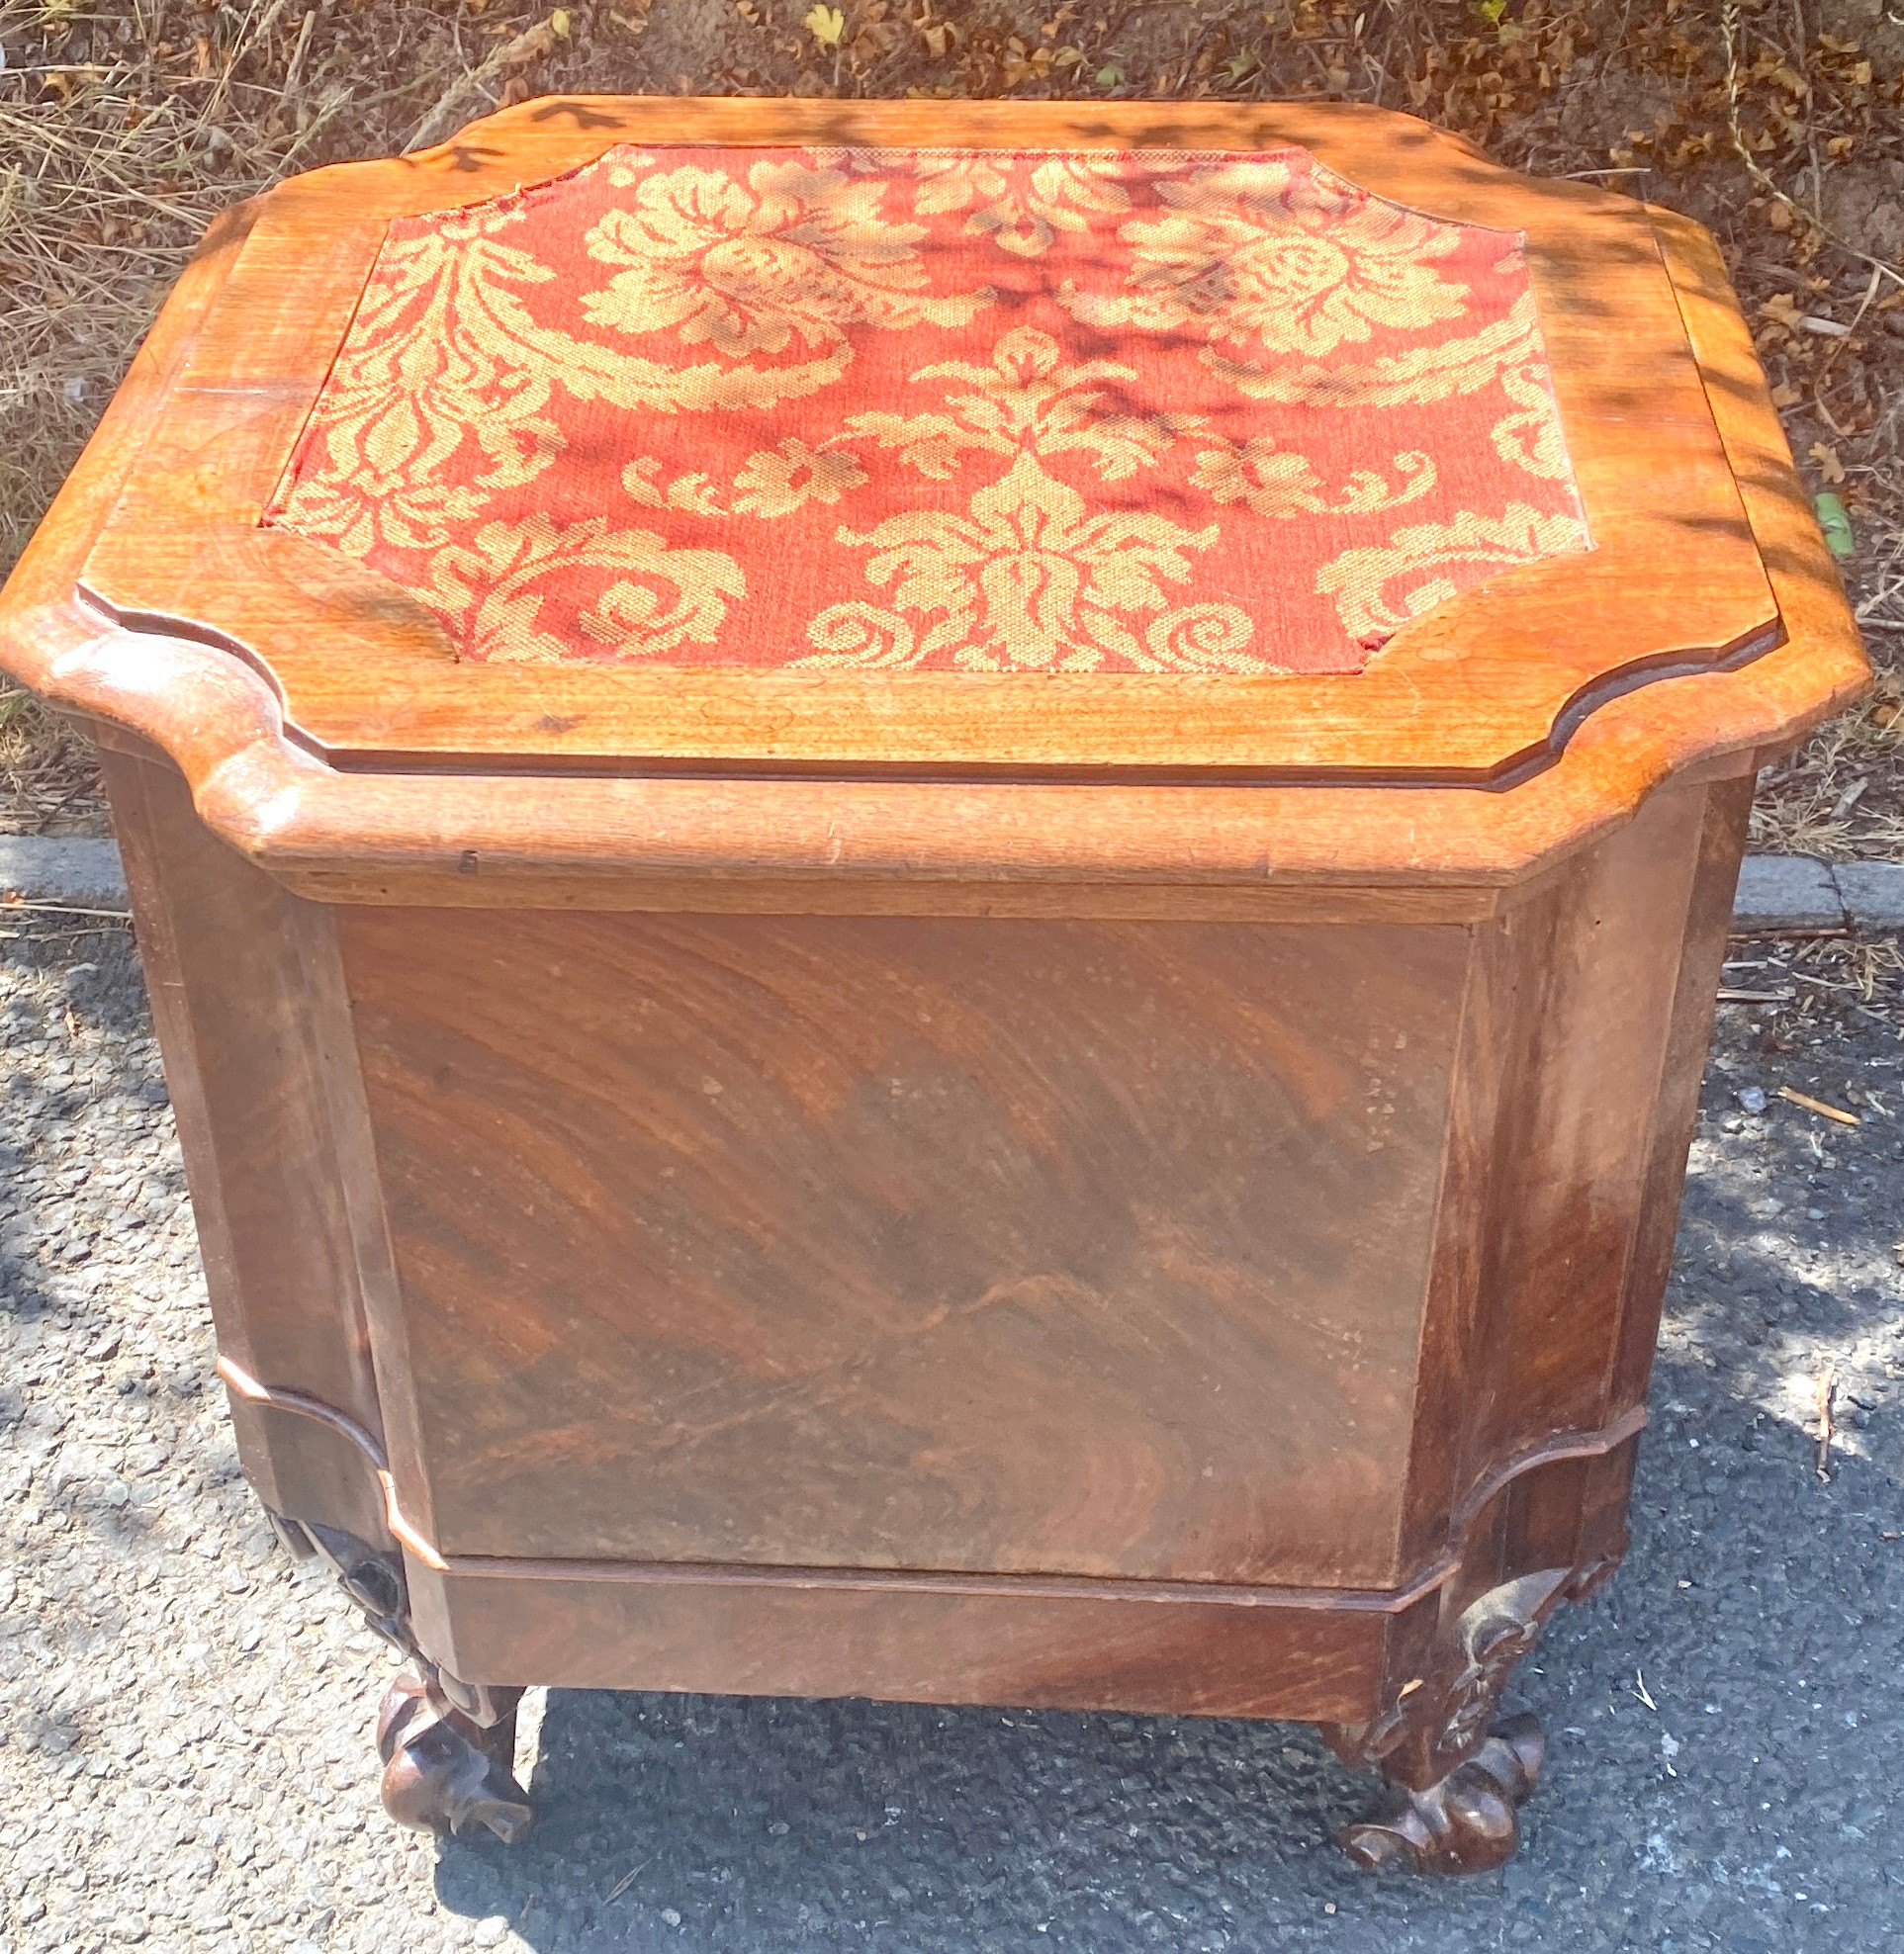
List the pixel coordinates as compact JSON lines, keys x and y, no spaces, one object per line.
{"x":1282,"y":447}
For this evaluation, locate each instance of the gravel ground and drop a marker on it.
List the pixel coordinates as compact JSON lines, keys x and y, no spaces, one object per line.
{"x":185,"y":1761}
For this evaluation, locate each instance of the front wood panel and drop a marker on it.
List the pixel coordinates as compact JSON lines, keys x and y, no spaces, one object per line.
{"x":1061,"y":1247}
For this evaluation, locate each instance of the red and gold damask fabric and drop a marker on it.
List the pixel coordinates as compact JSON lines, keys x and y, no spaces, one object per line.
{"x":939,"y":409}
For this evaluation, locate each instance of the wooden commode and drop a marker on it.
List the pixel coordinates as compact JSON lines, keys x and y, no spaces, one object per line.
{"x":934,"y":892}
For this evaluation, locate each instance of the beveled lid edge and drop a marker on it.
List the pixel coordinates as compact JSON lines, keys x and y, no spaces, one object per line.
{"x":221,"y":723}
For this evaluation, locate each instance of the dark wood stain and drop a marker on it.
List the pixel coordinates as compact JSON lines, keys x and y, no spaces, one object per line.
{"x":1054,"y":1246}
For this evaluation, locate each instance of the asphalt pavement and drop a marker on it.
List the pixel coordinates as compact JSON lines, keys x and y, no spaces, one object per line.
{"x":186,"y":1758}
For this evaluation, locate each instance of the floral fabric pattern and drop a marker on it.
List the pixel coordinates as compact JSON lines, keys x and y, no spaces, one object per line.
{"x":959,"y":411}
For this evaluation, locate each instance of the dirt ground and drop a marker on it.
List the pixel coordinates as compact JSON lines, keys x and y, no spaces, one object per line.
{"x":124,"y":126}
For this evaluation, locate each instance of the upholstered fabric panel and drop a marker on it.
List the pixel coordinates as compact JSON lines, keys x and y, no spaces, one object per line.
{"x":1088,"y":411}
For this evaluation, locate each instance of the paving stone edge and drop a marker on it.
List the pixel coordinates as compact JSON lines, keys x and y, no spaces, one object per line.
{"x":78,"y":871}
{"x":1776,"y":892}
{"x":1799,"y":892}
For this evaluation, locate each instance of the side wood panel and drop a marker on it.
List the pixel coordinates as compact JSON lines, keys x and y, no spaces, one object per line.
{"x":1041,"y":1246}
{"x":1675,"y":1111}
{"x":249,"y":1001}
{"x":1591,"y":1009}
{"x":237,"y":971}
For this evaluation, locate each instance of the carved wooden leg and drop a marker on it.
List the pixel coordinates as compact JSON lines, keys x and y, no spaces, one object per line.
{"x":445,"y":1772}
{"x":1465,"y":1822}
{"x":448,"y":1747}
{"x":1459,"y":1785}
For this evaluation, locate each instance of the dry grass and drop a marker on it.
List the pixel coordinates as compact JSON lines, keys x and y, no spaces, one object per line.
{"x":125,"y":125}
{"x":47,"y":782}
{"x":1813,"y":980}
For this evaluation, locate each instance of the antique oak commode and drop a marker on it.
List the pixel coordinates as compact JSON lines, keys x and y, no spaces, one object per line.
{"x":934,"y":892}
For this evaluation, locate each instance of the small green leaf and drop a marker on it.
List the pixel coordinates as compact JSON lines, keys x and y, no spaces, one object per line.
{"x":1835,"y":521}
{"x":1490,"y":11}
{"x":1108,"y":77}
{"x":826,"y":24}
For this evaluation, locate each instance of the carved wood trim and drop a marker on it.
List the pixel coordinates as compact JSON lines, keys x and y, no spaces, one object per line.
{"x":1465,"y":1822}
{"x":374,"y":1578}
{"x":1459,"y":1787}
{"x":1437,"y":1720}
{"x":447,"y":1745}
{"x":445,"y":1772}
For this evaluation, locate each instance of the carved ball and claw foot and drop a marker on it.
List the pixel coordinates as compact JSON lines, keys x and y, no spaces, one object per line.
{"x":448,"y":1747}
{"x":1460,"y":1784}
{"x":445,"y":1772}
{"x":1465,"y":1822}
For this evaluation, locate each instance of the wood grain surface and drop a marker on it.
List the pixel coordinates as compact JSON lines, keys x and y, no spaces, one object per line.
{"x":1102,"y":1652}
{"x":1061,"y":1224}
{"x":1051,"y":1247}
